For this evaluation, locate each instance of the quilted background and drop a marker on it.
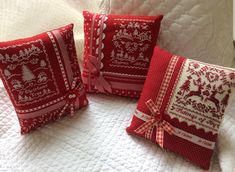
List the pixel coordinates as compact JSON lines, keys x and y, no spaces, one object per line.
{"x":196,"y":29}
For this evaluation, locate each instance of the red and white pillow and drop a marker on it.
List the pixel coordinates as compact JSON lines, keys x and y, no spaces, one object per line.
{"x":42,"y":77}
{"x":117,"y":52}
{"x":182,"y":105}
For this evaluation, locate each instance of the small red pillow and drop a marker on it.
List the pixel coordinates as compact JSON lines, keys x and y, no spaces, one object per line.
{"x":182,"y":105}
{"x":117,"y":52}
{"x":42,"y":77}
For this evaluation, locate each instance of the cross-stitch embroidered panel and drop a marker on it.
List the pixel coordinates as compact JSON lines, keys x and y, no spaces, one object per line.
{"x":35,"y":81}
{"x":201,"y":95}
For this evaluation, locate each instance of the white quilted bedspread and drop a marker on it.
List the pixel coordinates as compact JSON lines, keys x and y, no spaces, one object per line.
{"x":95,"y":139}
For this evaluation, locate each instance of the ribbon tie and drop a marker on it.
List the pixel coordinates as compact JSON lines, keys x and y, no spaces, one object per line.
{"x":71,"y":98}
{"x":100,"y":83}
{"x":155,"y":120}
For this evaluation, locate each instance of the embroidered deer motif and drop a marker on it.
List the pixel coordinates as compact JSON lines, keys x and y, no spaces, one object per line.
{"x":198,"y":92}
{"x":224,"y":101}
{"x":212,"y":98}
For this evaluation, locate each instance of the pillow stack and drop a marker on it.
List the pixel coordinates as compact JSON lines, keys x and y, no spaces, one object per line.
{"x":182,"y":101}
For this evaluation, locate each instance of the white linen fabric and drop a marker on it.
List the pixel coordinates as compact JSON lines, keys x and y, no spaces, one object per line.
{"x":95,"y":139}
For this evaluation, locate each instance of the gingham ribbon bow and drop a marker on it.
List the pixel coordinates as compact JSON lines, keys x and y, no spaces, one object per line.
{"x":155,"y":120}
{"x":71,"y":98}
{"x":101,"y":84}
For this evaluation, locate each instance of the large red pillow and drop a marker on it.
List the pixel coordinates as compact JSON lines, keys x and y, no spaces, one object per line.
{"x":117,"y":52}
{"x":42,"y":77}
{"x":182,"y":105}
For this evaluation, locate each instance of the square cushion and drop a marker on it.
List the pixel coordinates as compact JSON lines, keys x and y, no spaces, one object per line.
{"x":117,"y":52}
{"x":182,"y":105}
{"x":42,"y":77}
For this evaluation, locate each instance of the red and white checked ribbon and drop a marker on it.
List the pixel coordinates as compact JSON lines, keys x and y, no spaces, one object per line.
{"x":178,"y":132}
{"x":71,"y":98}
{"x":100,"y":83}
{"x":155,"y":120}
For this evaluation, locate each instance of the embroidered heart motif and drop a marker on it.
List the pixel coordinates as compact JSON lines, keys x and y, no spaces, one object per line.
{"x":212,"y":77}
